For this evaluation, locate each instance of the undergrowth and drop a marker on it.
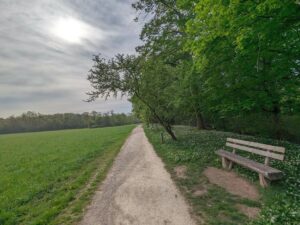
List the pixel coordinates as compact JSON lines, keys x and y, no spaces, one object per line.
{"x":280,"y":203}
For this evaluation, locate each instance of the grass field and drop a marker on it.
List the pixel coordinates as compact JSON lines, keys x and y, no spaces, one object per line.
{"x":280,"y":203}
{"x":48,"y":177}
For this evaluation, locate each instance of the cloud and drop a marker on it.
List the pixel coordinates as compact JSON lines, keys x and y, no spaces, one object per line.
{"x":42,"y":72}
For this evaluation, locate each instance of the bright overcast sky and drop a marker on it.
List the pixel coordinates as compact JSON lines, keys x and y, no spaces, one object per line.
{"x":47,"y":47}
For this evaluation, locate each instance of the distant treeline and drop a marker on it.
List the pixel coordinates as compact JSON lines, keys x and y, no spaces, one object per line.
{"x":32,"y":121}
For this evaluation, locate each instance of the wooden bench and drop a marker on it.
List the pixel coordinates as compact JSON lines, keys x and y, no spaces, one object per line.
{"x":266,"y":173}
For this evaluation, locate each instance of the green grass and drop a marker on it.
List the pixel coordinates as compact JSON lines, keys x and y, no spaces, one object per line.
{"x":280,"y":203}
{"x":48,"y":177}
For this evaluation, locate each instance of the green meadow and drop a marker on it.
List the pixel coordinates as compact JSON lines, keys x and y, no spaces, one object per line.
{"x":48,"y":177}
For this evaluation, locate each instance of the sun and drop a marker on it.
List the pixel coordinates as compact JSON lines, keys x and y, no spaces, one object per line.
{"x":69,"y":29}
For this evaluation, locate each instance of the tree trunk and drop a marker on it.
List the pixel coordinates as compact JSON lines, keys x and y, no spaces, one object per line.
{"x":276,"y":120}
{"x":200,"y":121}
{"x":160,"y":120}
{"x":170,"y":131}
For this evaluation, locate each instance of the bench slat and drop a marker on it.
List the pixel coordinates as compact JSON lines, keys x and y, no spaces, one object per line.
{"x":257,"y":145}
{"x":266,"y":171}
{"x":256,"y":151}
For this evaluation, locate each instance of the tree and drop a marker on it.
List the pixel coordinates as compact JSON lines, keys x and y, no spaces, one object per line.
{"x":215,"y":61}
{"x":247,"y":53}
{"x":32,"y":121}
{"x":146,"y":81}
{"x":164,"y":36}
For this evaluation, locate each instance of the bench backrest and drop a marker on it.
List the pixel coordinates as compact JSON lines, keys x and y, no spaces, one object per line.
{"x":269,"y":151}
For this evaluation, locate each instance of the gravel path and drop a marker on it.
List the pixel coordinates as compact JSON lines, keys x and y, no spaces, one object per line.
{"x":138,"y":190}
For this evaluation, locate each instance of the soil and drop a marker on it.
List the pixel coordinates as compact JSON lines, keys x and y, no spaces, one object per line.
{"x":251,"y":212}
{"x":137,"y":190}
{"x":180,"y":171}
{"x":200,"y":192}
{"x":232,"y":183}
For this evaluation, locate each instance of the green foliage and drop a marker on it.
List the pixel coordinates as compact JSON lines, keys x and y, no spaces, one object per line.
{"x":158,"y":91}
{"x":232,"y":58}
{"x":259,"y":124}
{"x":43,"y":173}
{"x":163,"y":34}
{"x":195,"y":149}
{"x":247,"y":55}
{"x":147,"y":81}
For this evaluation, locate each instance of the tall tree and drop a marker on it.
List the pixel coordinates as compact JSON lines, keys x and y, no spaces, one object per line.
{"x":164,"y":35}
{"x":247,"y":53}
{"x":147,"y":81}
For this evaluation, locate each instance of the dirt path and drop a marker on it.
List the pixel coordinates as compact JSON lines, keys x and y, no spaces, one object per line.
{"x":138,"y":190}
{"x":232,"y":183}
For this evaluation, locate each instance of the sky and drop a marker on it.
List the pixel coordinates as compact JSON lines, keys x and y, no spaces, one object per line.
{"x":46,"y":51}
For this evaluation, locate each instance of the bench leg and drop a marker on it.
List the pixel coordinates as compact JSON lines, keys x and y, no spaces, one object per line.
{"x":264,"y":182}
{"x":225,"y":163}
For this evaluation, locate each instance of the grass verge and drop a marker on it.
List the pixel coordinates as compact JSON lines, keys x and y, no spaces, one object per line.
{"x":280,"y":203}
{"x":48,"y":177}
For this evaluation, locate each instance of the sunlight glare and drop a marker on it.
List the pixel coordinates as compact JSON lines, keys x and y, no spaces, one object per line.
{"x":70,"y":30}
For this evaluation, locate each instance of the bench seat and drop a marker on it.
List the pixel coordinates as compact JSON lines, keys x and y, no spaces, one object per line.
{"x":266,"y":171}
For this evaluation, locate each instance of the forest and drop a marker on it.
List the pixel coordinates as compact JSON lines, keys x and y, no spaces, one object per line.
{"x":31,"y":121}
{"x":229,"y":65}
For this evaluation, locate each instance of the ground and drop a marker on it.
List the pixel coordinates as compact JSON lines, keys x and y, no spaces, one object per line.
{"x":232,"y":183}
{"x":48,"y":177}
{"x":138,"y":190}
{"x":194,"y":166}
{"x":52,"y":176}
